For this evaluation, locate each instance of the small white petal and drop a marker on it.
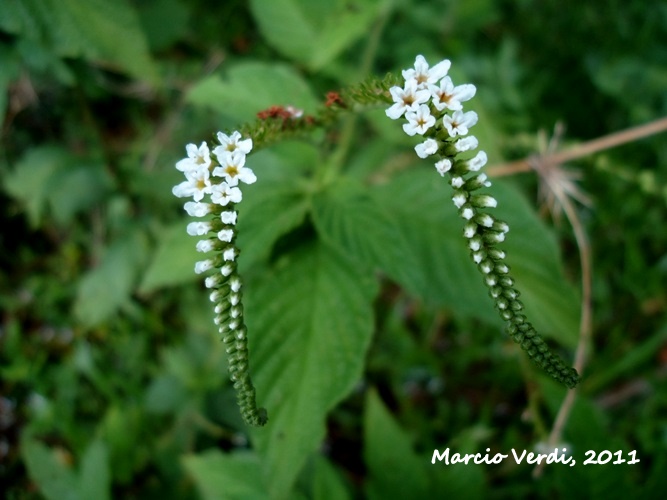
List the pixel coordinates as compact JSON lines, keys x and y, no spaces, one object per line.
{"x":228,"y":218}
{"x":443,"y":166}
{"x":205,"y":246}
{"x":427,"y":148}
{"x":203,"y":266}
{"x":198,"y":228}
{"x":226,"y":235}
{"x":197,"y":209}
{"x":459,"y":199}
{"x":229,"y":254}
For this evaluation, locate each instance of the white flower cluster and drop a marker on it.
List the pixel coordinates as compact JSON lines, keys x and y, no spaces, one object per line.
{"x":429,"y":96}
{"x":433,"y":108}
{"x":218,"y":177}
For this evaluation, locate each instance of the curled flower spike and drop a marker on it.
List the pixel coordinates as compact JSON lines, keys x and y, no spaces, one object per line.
{"x":219,"y":177}
{"x":445,"y":126}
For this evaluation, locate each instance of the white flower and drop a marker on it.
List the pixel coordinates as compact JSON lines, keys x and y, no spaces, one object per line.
{"x":234,"y":299}
{"x":205,"y":245}
{"x":477,"y":162}
{"x":232,"y":169}
{"x":467,"y":213}
{"x":195,"y":209}
{"x":223,"y":194}
{"x":228,"y":217}
{"x":197,"y":156}
{"x":443,"y":166}
{"x":198,"y":228}
{"x":235,"y":285}
{"x":197,"y":184}
{"x":211,"y":282}
{"x":457,"y":181}
{"x":459,"y":122}
{"x":423,"y":75}
{"x":466,"y":144}
{"x":231,"y":143}
{"x":470,"y":229}
{"x":226,"y":235}
{"x":229,"y":254}
{"x":419,"y":121}
{"x":427,"y":148}
{"x":203,"y":266}
{"x":459,"y":199}
{"x":406,"y":99}
{"x":447,"y":96}
{"x":226,"y":270}
{"x":485,"y":220}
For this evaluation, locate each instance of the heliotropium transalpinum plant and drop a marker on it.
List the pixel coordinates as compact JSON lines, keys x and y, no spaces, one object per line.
{"x":433,"y":108}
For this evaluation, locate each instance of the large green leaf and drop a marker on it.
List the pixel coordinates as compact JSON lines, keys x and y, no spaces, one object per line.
{"x":250,"y":87}
{"x":58,"y":480}
{"x":55,"y":479}
{"x":97,"y":30}
{"x":310,"y":323}
{"x":50,"y":179}
{"x":104,"y":289}
{"x":173,"y":262}
{"x":441,"y":271}
{"x":314,"y":33}
{"x":349,"y":219}
{"x":395,"y":470}
{"x":226,"y":477}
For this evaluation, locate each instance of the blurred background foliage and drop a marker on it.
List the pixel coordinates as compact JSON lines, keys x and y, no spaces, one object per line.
{"x":372,"y":339}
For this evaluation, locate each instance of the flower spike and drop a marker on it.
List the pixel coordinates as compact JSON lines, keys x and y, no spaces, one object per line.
{"x":217,"y":176}
{"x":441,"y":120}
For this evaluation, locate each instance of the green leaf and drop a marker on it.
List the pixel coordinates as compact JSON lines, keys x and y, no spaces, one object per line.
{"x":173,"y":262}
{"x":55,"y":479}
{"x":221,"y":476}
{"x":31,"y":179}
{"x":103,"y":290}
{"x":310,"y":322}
{"x":251,"y":87}
{"x":94,"y":29}
{"x":350,"y":220}
{"x":95,"y":477}
{"x":314,"y":33}
{"x":327,"y":481}
{"x":48,"y":178}
{"x":442,"y":272}
{"x":394,"y":468}
{"x":274,"y":205}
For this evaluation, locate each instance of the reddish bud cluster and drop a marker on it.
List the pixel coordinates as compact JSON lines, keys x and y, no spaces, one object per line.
{"x":334,"y":98}
{"x":284,"y":112}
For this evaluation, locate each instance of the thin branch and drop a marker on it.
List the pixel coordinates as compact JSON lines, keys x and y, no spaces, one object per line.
{"x":585,"y":149}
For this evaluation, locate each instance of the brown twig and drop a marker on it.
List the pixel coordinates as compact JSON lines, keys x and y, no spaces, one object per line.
{"x":585,"y":149}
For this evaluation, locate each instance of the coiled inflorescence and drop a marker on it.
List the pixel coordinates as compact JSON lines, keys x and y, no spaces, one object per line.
{"x":216,"y":177}
{"x":433,"y":108}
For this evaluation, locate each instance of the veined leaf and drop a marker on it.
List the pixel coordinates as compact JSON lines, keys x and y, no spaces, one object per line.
{"x":220,"y":476}
{"x":93,"y":29}
{"x":442,"y":272}
{"x":103,"y":290}
{"x":55,"y":479}
{"x":314,"y":33}
{"x":173,"y":262}
{"x":250,"y":87}
{"x":395,"y":469}
{"x":350,"y":220}
{"x":310,"y":324}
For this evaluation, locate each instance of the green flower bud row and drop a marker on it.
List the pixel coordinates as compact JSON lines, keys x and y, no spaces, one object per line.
{"x":229,"y":309}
